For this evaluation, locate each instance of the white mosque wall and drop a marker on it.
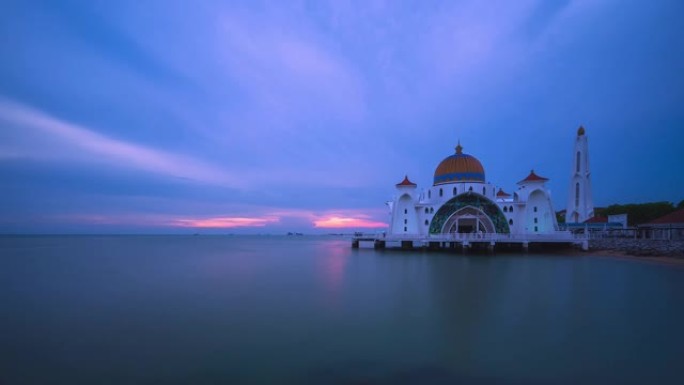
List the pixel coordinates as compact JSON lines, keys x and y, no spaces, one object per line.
{"x":539,"y":214}
{"x":530,"y":210}
{"x":441,"y":193}
{"x":512,"y":211}
{"x":404,"y":215}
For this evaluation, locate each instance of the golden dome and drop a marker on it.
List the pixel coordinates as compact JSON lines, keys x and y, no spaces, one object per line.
{"x":459,"y":167}
{"x":580,"y":131}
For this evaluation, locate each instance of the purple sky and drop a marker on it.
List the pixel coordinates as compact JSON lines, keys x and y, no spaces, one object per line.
{"x":247,"y":116}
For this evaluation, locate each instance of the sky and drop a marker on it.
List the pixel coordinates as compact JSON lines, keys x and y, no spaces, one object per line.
{"x":273,"y":116}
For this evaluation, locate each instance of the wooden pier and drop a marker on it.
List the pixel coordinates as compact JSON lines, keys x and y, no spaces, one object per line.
{"x":459,"y":241}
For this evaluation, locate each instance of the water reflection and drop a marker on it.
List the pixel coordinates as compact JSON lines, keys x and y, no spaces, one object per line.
{"x":312,"y":310}
{"x":331,"y":262}
{"x":554,"y":311}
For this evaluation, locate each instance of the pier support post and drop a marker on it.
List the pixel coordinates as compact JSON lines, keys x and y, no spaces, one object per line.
{"x":585,"y":245}
{"x":406,"y":244}
{"x":490,"y":247}
{"x":379,"y":244}
{"x":526,"y":246}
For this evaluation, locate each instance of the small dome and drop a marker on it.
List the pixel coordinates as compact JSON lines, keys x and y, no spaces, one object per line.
{"x":580,"y":131}
{"x":459,"y":167}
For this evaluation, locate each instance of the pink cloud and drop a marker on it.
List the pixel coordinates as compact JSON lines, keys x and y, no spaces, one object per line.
{"x":336,"y":222}
{"x":251,"y":217}
{"x":224,"y":222}
{"x":336,"y":219}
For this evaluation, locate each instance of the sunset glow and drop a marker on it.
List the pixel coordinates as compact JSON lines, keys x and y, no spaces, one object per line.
{"x":276,"y":117}
{"x":224,"y":222}
{"x":342,"y":222}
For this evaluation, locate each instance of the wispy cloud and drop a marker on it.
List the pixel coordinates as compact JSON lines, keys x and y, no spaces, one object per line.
{"x":287,"y":68}
{"x":64,"y":140}
{"x":338,"y":219}
{"x":253,"y":217}
{"x":335,"y":222}
{"x":223,"y":222}
{"x":302,"y":108}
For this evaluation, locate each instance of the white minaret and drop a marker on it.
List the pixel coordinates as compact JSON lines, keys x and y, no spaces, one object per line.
{"x":580,"y":204}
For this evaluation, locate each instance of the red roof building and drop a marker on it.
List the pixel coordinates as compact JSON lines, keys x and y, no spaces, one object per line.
{"x":667,"y":227}
{"x":597,"y":220}
{"x":673,"y":218}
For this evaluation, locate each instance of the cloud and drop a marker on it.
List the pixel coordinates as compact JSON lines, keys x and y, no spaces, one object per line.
{"x":289,"y":68}
{"x":223,"y":222}
{"x":337,"y":219}
{"x":335,"y":222}
{"x":240,"y":217}
{"x":39,"y":135}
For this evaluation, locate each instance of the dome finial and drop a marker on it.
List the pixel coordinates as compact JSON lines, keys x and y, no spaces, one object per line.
{"x":459,"y":148}
{"x":580,"y":130}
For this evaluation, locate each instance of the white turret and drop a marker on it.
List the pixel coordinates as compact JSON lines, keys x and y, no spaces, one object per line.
{"x":580,"y":203}
{"x":404,"y":217}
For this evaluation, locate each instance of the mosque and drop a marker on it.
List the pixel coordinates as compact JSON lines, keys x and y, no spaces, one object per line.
{"x":462,"y":201}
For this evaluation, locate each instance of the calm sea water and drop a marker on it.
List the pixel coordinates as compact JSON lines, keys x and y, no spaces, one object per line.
{"x":311,"y":310}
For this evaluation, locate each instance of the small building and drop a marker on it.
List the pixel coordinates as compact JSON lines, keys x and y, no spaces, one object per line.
{"x":670,"y":227}
{"x":598,"y":223}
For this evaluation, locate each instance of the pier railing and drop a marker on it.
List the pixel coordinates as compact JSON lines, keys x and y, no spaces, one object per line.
{"x":559,"y":236}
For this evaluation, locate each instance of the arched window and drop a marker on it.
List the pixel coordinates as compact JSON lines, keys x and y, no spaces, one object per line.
{"x":441,"y":192}
{"x":505,"y":209}
{"x":404,"y":228}
{"x":510,"y":222}
{"x":470,"y":188}
{"x":429,"y":194}
{"x":454,"y":191}
{"x":535,"y":220}
{"x":576,"y":194}
{"x":535,"y":209}
{"x":432,"y":210}
{"x":510,"y":208}
{"x":578,"y":161}
{"x":535,"y":229}
{"x":484,"y":191}
{"x":427,"y":210}
{"x":405,"y":211}
{"x":426,"y":222}
{"x":406,"y":221}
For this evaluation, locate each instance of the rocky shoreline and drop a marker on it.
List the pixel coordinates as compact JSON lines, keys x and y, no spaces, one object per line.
{"x":640,"y":247}
{"x":660,"y":251}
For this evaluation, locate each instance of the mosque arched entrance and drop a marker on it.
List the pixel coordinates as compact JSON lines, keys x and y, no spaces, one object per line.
{"x":468,"y":213}
{"x":469,"y":220}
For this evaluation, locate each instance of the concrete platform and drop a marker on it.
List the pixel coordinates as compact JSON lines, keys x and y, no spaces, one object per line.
{"x":469,"y":241}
